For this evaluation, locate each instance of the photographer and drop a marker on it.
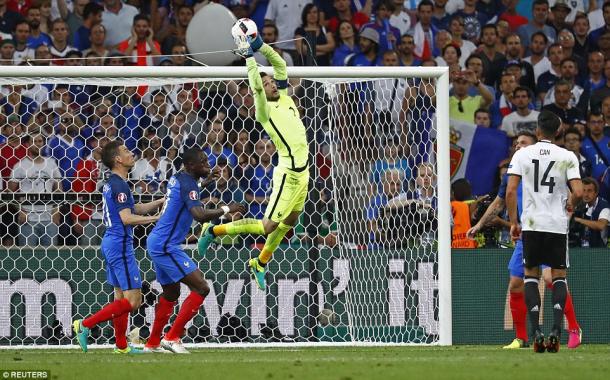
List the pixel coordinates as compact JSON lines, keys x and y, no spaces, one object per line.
{"x":589,"y":224}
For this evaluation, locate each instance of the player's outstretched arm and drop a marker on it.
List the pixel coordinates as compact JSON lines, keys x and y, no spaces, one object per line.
{"x":130,"y":219}
{"x":150,"y":207}
{"x":280,"y":73}
{"x":258,"y":92}
{"x":492,"y":211}
{"x":202,"y":215}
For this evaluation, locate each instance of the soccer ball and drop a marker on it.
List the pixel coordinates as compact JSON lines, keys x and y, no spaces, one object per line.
{"x":244,"y":27}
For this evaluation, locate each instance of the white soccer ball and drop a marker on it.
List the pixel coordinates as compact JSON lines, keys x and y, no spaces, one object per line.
{"x":244,"y":27}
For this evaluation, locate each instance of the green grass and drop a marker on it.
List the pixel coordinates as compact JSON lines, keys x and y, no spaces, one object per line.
{"x":342,"y":363}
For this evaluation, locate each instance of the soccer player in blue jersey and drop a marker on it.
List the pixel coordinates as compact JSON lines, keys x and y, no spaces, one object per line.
{"x":120,"y":214}
{"x":171,"y":264}
{"x":516,"y":285}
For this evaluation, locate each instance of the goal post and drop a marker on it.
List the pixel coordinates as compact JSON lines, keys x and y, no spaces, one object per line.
{"x":361,"y":267}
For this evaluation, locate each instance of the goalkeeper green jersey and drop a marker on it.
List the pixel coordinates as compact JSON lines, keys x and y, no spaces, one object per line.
{"x":280,"y":118}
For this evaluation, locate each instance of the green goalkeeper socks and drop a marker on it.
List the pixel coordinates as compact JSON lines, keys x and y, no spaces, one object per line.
{"x":243,"y":226}
{"x":273,"y":240}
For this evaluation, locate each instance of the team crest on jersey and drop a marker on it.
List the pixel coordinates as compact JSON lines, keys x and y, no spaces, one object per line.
{"x":121,"y":198}
{"x":193,"y":195}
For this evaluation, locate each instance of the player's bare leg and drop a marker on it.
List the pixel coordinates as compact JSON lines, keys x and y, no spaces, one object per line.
{"x":163,"y":311}
{"x":518,"y":310}
{"x":574,"y":330}
{"x":199,"y":290}
{"x":532,"y":300}
{"x":560,"y":291}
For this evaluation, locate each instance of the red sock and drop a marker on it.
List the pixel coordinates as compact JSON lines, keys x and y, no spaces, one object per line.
{"x":519,"y":312}
{"x":568,"y":310}
{"x":163,"y":311}
{"x":108,"y":312}
{"x":120,"y":330}
{"x":189,"y":308}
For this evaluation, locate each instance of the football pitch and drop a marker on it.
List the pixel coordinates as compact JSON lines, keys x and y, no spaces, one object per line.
{"x":341,"y":363}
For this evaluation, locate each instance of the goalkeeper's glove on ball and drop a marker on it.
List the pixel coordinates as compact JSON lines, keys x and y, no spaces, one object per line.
{"x":256,"y":42}
{"x":243,"y":47}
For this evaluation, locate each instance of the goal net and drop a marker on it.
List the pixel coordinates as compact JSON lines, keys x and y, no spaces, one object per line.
{"x":368,"y":260}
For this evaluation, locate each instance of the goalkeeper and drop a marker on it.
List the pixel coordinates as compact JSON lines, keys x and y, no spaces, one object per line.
{"x":279,"y":115}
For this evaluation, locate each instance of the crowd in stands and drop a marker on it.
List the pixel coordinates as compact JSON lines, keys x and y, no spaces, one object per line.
{"x":507,"y":61}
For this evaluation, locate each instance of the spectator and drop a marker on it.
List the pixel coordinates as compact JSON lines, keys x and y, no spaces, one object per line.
{"x":324,"y":40}
{"x":424,"y":32}
{"x":461,"y":210}
{"x":36,"y":174}
{"x":561,"y":105}
{"x":42,"y":56}
{"x":400,"y":19}
{"x":473,"y":20}
{"x":194,"y":123}
{"x":282,"y":15}
{"x":7,"y":52}
{"x":539,"y":61}
{"x":8,"y":19}
{"x":346,"y":37}
{"x":141,"y":46}
{"x":151,"y":171}
{"x":596,"y":69}
{"x":368,"y":41}
{"x":391,"y":187}
{"x":344,"y":13}
{"x":582,"y":43}
{"x":59,"y":46}
{"x":387,"y":97}
{"x":573,"y":143}
{"x":461,"y":105}
{"x":503,"y":105}
{"x":388,"y":34}
{"x":215,"y":145}
{"x":11,"y":151}
{"x":540,"y":14}
{"x":176,"y":31}
{"x":97,"y":39}
{"x":176,"y":135}
{"x":510,"y":15}
{"x":66,"y":147}
{"x":596,"y":34}
{"x":37,"y":36}
{"x":482,"y":118}
{"x":405,"y":51}
{"x":74,"y":18}
{"x":89,"y":179}
{"x":456,"y":27}
{"x":22,"y":51}
{"x":392,"y":158}
{"x":560,"y":11}
{"x":74,"y":58}
{"x":129,"y":115}
{"x":523,"y":118}
{"x":598,"y":95}
{"x":492,"y":58}
{"x":567,"y":41}
{"x":14,"y":102}
{"x":46,"y":19}
{"x":514,"y":54}
{"x":93,"y":59}
{"x":156,"y":111}
{"x":592,"y":218}
{"x":256,"y":183}
{"x":92,"y":15}
{"x":569,"y":73}
{"x":118,"y":20}
{"x":451,"y":57}
{"x":440,"y":15}
{"x":548,"y":78}
{"x":475,"y":64}
{"x":596,"y":146}
{"x":269,"y":35}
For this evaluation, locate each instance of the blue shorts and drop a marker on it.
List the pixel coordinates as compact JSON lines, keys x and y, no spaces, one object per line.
{"x":172,"y":265}
{"x":122,"y":270}
{"x":515,"y":265}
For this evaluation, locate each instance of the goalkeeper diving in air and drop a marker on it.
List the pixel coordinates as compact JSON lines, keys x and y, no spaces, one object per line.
{"x":279,"y":116}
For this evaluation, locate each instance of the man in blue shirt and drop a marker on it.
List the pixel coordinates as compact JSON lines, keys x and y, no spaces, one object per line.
{"x":516,"y":289}
{"x":596,"y":147}
{"x":120,"y":214}
{"x":172,"y":265}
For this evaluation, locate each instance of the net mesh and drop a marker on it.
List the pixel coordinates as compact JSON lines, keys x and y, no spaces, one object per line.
{"x":360,"y":265}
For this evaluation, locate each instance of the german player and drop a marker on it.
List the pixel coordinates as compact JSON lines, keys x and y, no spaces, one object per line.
{"x":551,"y":187}
{"x":279,"y":115}
{"x":518,"y":308}
{"x":171,"y":264}
{"x":120,"y":214}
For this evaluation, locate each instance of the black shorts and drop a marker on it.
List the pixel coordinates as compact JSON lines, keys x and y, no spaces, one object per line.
{"x":545,"y":248}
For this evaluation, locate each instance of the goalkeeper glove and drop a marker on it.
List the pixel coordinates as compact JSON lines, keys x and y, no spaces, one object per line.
{"x":243,"y":47}
{"x":256,"y":42}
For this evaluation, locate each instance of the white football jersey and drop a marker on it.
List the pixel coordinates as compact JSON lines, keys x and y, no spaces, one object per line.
{"x":545,"y":170}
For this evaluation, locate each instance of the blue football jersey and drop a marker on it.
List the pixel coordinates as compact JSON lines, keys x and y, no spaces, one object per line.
{"x":590,"y":152}
{"x":182,"y":195}
{"x":116,"y":197}
{"x":502,"y":194}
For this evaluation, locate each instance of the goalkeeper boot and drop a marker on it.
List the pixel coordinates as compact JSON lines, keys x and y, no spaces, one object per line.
{"x":552,"y":345}
{"x":575,"y":338}
{"x":81,"y":332}
{"x":205,"y":239}
{"x":516,"y":343}
{"x":539,"y":345}
{"x":174,"y":346}
{"x":129,"y":350}
{"x":258,"y":272}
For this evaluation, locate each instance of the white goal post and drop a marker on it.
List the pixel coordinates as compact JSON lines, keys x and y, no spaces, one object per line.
{"x":362,"y":314}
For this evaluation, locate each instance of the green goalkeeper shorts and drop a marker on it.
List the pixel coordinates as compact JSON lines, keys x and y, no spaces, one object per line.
{"x":288,"y":195}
